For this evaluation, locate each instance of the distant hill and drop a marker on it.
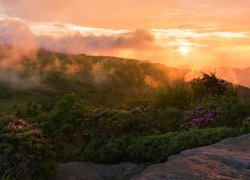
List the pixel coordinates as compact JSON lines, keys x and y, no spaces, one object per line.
{"x":235,"y":75}
{"x":100,"y":79}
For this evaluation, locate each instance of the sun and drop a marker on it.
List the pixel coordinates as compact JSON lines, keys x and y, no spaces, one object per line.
{"x":184,"y":50}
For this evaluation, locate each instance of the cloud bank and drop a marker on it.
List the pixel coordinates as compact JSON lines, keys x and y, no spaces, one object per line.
{"x":202,"y":49}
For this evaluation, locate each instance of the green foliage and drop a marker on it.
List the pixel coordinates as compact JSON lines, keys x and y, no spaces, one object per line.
{"x":238,"y":111}
{"x":105,"y":81}
{"x":63,"y":124}
{"x":24,"y":152}
{"x":198,"y":89}
{"x":175,"y":95}
{"x":246,"y":125}
{"x":105,"y":123}
{"x":209,"y":85}
{"x":201,"y":117}
{"x":32,"y":110}
{"x":102,"y":80}
{"x":131,"y":103}
{"x":74,"y":125}
{"x":4,"y":92}
{"x":155,"y":148}
{"x":134,"y":128}
{"x":214,"y":85}
{"x":230,"y":108}
{"x":169,"y":119}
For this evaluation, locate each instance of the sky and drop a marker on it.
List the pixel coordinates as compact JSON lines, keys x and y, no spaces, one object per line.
{"x":192,"y":34}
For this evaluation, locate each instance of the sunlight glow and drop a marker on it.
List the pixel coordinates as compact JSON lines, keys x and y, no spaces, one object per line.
{"x":184,"y":50}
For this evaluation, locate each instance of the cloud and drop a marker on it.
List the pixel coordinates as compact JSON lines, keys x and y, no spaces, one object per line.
{"x":19,"y":35}
{"x":121,"y":14}
{"x":114,"y":14}
{"x":92,"y":44}
{"x":205,"y":48}
{"x":16,"y":40}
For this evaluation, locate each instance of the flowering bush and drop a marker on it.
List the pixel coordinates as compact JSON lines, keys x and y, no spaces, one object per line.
{"x":200,"y":117}
{"x":24,"y":152}
{"x":19,"y":124}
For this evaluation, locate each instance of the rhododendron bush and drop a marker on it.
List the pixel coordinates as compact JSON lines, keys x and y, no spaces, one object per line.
{"x":24,"y":152}
{"x":201,"y":117}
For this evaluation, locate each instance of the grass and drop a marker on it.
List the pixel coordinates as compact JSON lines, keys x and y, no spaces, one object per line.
{"x":20,"y":100}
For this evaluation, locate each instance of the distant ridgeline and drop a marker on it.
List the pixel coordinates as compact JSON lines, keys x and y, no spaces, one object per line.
{"x":99,"y":79}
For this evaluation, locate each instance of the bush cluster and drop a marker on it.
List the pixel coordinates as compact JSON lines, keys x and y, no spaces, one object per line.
{"x":177,"y":117}
{"x":24,"y":152}
{"x":201,"y":117}
{"x":156,"y":148}
{"x":62,"y":125}
{"x":106,"y":123}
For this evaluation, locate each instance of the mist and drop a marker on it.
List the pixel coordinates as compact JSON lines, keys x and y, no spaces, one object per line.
{"x":18,"y":42}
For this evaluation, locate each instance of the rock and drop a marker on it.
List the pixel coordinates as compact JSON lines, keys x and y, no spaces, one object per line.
{"x":228,"y":159}
{"x":91,"y":171}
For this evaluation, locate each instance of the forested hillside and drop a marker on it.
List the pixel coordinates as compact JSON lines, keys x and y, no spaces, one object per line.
{"x":102,"y":80}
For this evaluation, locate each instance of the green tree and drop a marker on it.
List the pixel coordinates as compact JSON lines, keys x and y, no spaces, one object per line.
{"x":214,"y":85}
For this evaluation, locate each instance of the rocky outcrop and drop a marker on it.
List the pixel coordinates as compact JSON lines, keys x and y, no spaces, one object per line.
{"x":91,"y":171}
{"x":228,"y":159}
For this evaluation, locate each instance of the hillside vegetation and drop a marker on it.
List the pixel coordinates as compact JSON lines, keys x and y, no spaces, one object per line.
{"x":60,"y":108}
{"x":102,"y":80}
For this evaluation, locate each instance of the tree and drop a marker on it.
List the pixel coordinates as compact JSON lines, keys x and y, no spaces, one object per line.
{"x":210,"y":85}
{"x":214,"y":85}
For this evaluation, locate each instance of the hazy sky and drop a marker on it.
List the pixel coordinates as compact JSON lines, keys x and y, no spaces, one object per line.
{"x":183,"y":33}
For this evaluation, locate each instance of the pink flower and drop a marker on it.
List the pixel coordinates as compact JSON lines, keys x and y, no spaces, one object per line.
{"x":27,"y":124}
{"x":19,"y":127}
{"x":20,"y":121}
{"x":121,"y":111}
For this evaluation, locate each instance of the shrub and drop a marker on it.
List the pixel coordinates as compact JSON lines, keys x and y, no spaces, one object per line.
{"x":24,"y":152}
{"x":223,"y":105}
{"x":131,"y":103}
{"x":201,"y":117}
{"x":198,"y":89}
{"x":63,"y":125}
{"x":176,"y":95}
{"x":246,"y":125}
{"x":159,"y":148}
{"x":156,"y":148}
{"x":231,"y":109}
{"x":169,"y":119}
{"x":238,"y":111}
{"x":106,"y":123}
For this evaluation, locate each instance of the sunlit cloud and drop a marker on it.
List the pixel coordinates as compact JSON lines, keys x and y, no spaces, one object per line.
{"x":181,"y":33}
{"x":57,"y":29}
{"x":187,"y":33}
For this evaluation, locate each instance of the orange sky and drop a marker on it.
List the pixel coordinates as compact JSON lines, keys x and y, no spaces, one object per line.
{"x":183,"y":33}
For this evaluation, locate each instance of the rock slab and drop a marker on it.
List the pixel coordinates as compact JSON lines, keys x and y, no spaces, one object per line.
{"x":228,"y":159}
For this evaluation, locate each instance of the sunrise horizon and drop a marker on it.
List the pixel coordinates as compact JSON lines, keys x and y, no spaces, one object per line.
{"x":124,"y":89}
{"x":179,"y":33}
